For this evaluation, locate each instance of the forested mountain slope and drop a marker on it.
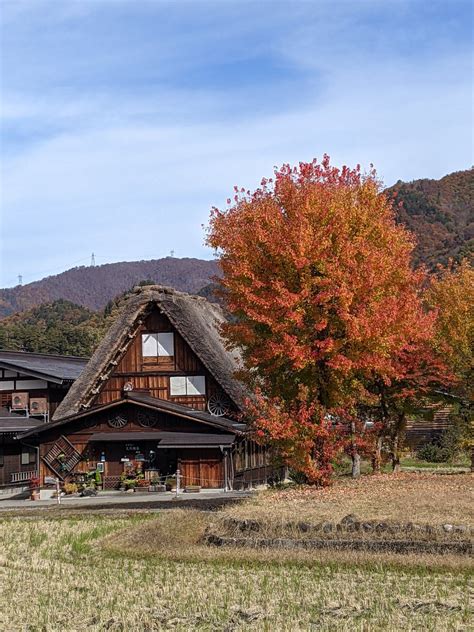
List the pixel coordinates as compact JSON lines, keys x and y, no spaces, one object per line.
{"x":441,"y":215}
{"x":93,"y":287}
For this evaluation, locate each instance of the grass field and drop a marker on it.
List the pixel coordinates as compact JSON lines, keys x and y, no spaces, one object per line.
{"x":141,"y":572}
{"x":417,"y":497}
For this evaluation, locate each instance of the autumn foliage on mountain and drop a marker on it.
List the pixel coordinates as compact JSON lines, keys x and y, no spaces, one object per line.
{"x":440,"y":213}
{"x":318,"y":277}
{"x":93,"y":286}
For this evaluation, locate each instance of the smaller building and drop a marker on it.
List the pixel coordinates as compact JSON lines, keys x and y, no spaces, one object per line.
{"x":32,"y":385}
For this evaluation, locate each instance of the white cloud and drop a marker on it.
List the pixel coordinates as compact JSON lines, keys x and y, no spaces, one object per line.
{"x":132,"y":176}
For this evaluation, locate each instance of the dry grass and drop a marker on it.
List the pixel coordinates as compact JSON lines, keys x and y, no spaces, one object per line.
{"x":55,"y":576}
{"x":179,"y":535}
{"x":134,"y":572}
{"x":422,"y":498}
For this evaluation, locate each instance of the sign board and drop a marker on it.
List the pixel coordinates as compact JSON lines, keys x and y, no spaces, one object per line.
{"x":49,"y":480}
{"x":131,"y":447}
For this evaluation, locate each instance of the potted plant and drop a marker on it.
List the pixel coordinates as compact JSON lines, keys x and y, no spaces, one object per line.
{"x":170,"y":484}
{"x":70,"y":488}
{"x":98,"y":480}
{"x":35,"y":488}
{"x":129,"y":484}
{"x":141,"y":486}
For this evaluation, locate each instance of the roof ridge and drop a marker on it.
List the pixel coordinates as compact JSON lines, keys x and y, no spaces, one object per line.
{"x":43,"y":355}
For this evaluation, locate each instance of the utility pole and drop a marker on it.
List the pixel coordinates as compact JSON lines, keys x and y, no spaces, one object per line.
{"x":20,"y":279}
{"x":171,"y":253}
{"x":92,"y":260}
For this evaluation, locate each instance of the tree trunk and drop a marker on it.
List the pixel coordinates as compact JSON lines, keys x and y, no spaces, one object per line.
{"x":355,"y":464}
{"x":397,"y":432}
{"x":355,"y":456}
{"x":377,"y":457}
{"x":395,"y":453}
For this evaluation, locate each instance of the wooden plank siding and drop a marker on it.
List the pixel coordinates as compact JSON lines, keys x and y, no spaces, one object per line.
{"x":151,"y":375}
{"x":203,"y":468}
{"x":205,"y":463}
{"x":11,"y":459}
{"x":421,"y":431}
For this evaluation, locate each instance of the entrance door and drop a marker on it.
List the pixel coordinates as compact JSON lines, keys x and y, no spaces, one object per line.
{"x":201,"y":467}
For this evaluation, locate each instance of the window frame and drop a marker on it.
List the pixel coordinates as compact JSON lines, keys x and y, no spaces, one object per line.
{"x":155,"y":335}
{"x":187,"y":383}
{"x":31,"y":453}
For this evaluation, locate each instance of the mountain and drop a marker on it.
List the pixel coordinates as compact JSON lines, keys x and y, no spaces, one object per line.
{"x":439,"y":212}
{"x":92,"y":287}
{"x":441,"y":215}
{"x":60,"y":327}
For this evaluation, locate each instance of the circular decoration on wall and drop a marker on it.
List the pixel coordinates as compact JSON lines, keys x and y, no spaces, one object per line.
{"x":146,"y":421}
{"x":117,"y":422}
{"x":218,"y":404}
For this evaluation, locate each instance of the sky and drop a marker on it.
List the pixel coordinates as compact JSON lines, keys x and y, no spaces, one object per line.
{"x":124,"y":122}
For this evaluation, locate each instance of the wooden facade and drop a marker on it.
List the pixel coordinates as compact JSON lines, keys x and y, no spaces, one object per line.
{"x":37,"y":377}
{"x":152,"y":375}
{"x":159,"y":394}
{"x":202,"y":466}
{"x":18,"y":463}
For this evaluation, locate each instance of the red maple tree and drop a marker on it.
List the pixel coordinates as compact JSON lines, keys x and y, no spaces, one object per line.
{"x":317,"y":277}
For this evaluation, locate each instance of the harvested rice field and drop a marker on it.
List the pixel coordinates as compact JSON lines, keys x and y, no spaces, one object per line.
{"x":136,"y":571}
{"x":405,"y":496}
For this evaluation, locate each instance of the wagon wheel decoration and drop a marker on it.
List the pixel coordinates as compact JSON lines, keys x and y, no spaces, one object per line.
{"x":117,"y":422}
{"x":218,"y":404}
{"x":146,"y":421}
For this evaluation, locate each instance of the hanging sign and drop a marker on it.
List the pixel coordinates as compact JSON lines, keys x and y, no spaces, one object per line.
{"x":131,"y":447}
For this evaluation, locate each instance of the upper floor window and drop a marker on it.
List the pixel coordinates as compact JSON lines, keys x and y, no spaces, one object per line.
{"x":28,"y":456}
{"x":157,"y":345}
{"x":187,"y":385}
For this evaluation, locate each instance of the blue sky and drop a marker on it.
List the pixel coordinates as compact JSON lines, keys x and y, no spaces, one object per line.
{"x":123,"y":122}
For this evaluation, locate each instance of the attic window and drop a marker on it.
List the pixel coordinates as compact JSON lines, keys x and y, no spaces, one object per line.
{"x":157,"y":345}
{"x":187,"y":385}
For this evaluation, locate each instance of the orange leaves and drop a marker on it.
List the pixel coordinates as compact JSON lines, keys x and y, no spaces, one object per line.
{"x":452,"y":296}
{"x":315,"y":263}
{"x":318,"y":277}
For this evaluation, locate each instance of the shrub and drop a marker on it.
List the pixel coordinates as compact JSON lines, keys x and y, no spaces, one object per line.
{"x":71,"y":488}
{"x":434,"y":453}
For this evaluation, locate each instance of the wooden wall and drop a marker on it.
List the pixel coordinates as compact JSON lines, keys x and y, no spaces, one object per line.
{"x":196,"y":463}
{"x":11,"y":457}
{"x":151,"y":375}
{"x":13,"y":382}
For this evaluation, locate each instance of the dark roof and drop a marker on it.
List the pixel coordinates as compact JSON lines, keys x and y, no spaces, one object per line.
{"x":159,"y":405}
{"x":11,"y":422}
{"x":169,"y":439}
{"x":163,"y":405}
{"x":198,"y":322}
{"x":53,"y":368}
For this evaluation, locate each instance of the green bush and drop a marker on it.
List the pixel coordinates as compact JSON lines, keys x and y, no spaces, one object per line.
{"x":434,"y":453}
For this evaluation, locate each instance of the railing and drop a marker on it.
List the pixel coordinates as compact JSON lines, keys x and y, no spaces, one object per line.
{"x":20,"y":477}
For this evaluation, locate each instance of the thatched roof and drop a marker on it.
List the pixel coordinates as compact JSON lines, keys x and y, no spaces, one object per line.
{"x":198,"y":322}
